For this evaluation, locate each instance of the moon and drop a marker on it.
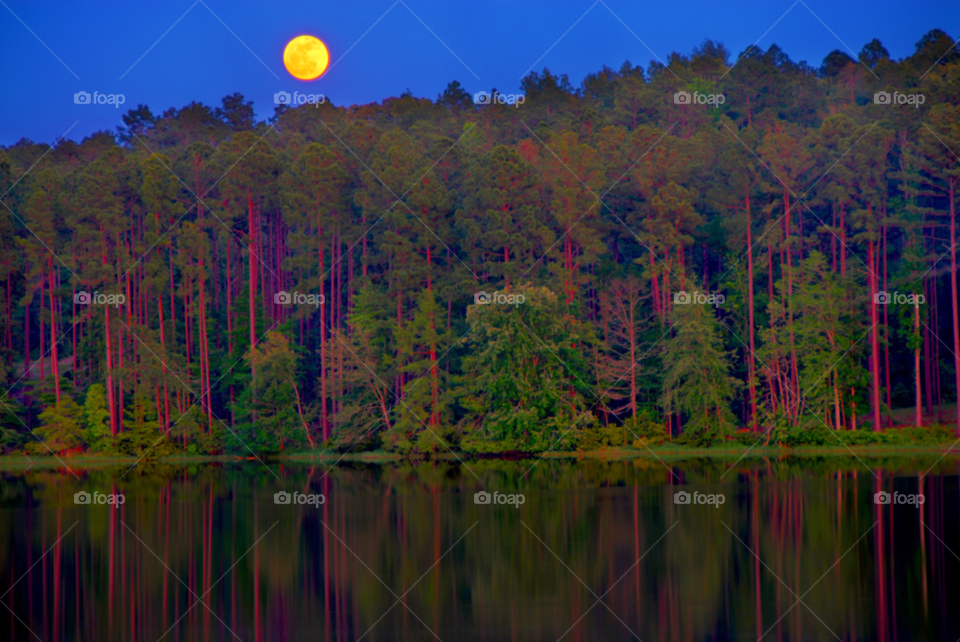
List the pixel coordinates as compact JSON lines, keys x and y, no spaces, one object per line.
{"x":306,"y":57}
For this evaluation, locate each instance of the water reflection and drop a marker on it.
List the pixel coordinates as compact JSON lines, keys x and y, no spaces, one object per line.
{"x":597,"y":551}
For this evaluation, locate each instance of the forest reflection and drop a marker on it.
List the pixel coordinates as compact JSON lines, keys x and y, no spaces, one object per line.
{"x":598,"y":551}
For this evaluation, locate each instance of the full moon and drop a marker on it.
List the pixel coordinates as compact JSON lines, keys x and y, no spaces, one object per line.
{"x":306,"y":57}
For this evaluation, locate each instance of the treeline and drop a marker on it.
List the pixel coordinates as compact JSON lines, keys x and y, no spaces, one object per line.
{"x":162,"y":286}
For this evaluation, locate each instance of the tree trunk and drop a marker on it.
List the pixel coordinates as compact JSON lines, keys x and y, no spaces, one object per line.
{"x":204,"y":351}
{"x":916,"y":365}
{"x":874,"y":335}
{"x":953,"y":294}
{"x":928,"y":389}
{"x":54,"y":361}
{"x":633,"y":356}
{"x":886,"y":329}
{"x":323,"y":341}
{"x":751,"y":364}
{"x":163,"y":361}
{"x":253,"y":283}
{"x":110,"y":391}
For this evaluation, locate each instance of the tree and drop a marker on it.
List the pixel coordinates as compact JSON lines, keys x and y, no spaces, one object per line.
{"x":868,"y":162}
{"x":42,"y":212}
{"x":827,"y":333}
{"x":425,"y":406}
{"x":872,"y":53}
{"x":621,"y":305}
{"x":571,"y":173}
{"x":697,"y":381}
{"x":313,"y":199}
{"x":274,"y":398}
{"x":96,"y":418}
{"x":160,"y":198}
{"x":246,"y":188}
{"x":940,"y":171}
{"x":97,"y":213}
{"x":739,"y":191}
{"x":373,"y":342}
{"x":501,"y":231}
{"x":61,"y":427}
{"x":526,"y":383}
{"x":398,"y":212}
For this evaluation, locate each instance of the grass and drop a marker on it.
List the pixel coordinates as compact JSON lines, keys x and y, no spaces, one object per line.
{"x":666,"y":450}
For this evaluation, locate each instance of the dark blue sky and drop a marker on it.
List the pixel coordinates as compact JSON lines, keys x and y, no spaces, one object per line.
{"x":204,"y":57}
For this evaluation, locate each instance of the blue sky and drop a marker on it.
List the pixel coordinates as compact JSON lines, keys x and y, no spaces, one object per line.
{"x":381,"y":48}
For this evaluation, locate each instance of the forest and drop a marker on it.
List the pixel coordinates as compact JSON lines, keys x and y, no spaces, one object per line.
{"x":720,"y":248}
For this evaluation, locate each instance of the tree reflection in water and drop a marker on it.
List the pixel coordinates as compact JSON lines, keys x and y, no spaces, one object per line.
{"x":597,"y":551}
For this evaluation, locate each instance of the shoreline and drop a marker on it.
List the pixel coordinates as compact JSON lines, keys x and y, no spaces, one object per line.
{"x":672,"y":452}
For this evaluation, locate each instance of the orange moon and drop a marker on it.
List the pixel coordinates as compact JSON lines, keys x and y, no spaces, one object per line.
{"x":306,"y":57}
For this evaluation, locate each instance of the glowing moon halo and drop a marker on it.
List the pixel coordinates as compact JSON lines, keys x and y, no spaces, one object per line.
{"x":306,"y":57}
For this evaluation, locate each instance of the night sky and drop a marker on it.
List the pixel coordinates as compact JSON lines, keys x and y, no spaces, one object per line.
{"x":168,"y":54}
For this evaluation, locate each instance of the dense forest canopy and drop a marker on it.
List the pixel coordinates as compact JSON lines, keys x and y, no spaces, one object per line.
{"x":714,"y":245}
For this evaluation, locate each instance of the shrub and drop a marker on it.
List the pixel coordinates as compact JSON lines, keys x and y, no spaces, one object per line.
{"x":613,"y":436}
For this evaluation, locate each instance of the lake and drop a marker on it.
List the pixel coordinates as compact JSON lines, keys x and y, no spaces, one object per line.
{"x":559,"y":549}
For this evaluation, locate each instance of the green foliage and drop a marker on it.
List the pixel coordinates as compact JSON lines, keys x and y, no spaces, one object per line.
{"x":646,"y":428}
{"x":700,"y":438}
{"x":143,"y":440}
{"x":817,"y":435}
{"x":424,"y":408}
{"x":611,"y":200}
{"x":271,"y":406}
{"x":825,"y":332}
{"x":697,"y":381}
{"x":61,"y":428}
{"x":600,"y":436}
{"x":96,"y":418}
{"x":12,"y":435}
{"x":526,"y":377}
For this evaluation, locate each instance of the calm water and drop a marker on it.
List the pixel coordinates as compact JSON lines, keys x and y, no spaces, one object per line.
{"x":597,"y":551}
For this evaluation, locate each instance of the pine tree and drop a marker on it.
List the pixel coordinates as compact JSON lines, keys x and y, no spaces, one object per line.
{"x":940,"y":169}
{"x":527,"y":380}
{"x":697,"y":380}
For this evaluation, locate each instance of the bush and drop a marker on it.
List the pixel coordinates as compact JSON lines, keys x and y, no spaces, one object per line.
{"x":646,"y":430}
{"x":820,"y":435}
{"x":612,"y":436}
{"x":396,"y":440}
{"x":60,"y":428}
{"x":928,"y":435}
{"x":700,"y":438}
{"x":748,"y":438}
{"x":813,"y":436}
{"x":144,"y":440}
